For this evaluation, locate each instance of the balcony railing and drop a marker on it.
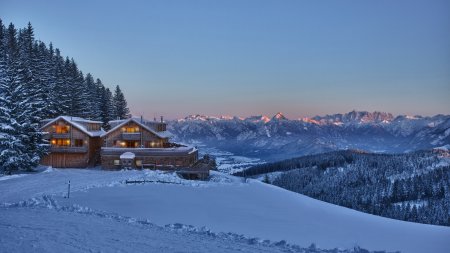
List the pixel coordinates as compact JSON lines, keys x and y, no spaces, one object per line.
{"x":60,"y":135}
{"x":131,"y":136}
{"x":68,"y":149}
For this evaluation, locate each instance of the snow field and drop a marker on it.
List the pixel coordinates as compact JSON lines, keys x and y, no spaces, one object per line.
{"x":224,"y":214}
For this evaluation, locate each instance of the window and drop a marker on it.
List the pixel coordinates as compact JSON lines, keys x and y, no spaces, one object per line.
{"x":126,"y":144}
{"x":161,"y":127}
{"x":130,"y":129}
{"x":60,"y":142}
{"x":116,"y":162}
{"x":139,"y":163}
{"x":78,"y":143}
{"x":62,"y":129}
{"x":154,"y":144}
{"x":132,"y":144}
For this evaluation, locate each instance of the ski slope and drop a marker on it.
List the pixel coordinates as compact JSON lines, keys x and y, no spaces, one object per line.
{"x":101,"y":202}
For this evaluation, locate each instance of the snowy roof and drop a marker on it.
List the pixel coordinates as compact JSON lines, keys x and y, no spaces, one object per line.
{"x":77,"y":119}
{"x":150,"y":151}
{"x":78,"y":123}
{"x":135,"y":118}
{"x":127,"y":155}
{"x":165,"y":134}
{"x":162,"y":134}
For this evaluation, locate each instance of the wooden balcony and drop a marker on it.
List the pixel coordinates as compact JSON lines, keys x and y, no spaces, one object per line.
{"x":131,"y":136}
{"x":68,"y":149}
{"x":60,"y":136}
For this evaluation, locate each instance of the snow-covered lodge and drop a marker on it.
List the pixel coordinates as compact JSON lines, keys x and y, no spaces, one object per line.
{"x":75,"y":142}
{"x":131,"y":143}
{"x":139,"y":143}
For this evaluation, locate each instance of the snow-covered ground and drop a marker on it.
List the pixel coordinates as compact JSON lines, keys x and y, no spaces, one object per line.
{"x":33,"y":229}
{"x":103,"y":214}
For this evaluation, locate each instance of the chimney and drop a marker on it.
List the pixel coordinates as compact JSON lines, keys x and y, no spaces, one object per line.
{"x":142,"y":119}
{"x":162,"y":119}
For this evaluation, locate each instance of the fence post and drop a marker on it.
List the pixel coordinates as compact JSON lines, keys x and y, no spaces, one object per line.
{"x":68,"y":190}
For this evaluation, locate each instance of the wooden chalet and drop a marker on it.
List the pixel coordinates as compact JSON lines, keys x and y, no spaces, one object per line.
{"x":132,"y":143}
{"x":74,"y":142}
{"x":139,"y":143}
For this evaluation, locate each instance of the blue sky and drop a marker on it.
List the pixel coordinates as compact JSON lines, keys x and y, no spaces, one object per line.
{"x":243,"y":58}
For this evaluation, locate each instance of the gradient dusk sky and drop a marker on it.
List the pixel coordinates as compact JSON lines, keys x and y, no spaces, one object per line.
{"x":240,"y":57}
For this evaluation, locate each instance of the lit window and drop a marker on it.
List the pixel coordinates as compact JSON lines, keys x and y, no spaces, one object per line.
{"x":130,"y":129}
{"x":60,"y":142}
{"x":62,"y":129}
{"x":116,"y":162}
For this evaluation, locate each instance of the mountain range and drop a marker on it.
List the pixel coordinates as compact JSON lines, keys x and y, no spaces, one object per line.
{"x":277,"y":137}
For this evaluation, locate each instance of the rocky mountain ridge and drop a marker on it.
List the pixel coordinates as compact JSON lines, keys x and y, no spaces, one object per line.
{"x":278,"y":137}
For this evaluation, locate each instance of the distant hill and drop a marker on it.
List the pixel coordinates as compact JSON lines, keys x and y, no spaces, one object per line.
{"x":412,"y":187}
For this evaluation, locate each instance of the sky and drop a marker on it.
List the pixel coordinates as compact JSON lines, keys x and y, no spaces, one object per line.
{"x":243,"y":57}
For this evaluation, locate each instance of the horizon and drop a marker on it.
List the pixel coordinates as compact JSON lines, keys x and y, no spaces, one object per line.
{"x":270,"y":116}
{"x":256,"y":58}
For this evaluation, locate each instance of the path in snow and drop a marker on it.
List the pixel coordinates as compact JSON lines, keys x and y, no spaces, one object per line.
{"x":259,"y":210}
{"x":44,"y":230}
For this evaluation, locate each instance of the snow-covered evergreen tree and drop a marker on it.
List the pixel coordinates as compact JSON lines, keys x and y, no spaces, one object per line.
{"x":120,"y":104}
{"x":107,"y":108}
{"x":21,"y":142}
{"x":36,"y":82}
{"x":93,"y":97}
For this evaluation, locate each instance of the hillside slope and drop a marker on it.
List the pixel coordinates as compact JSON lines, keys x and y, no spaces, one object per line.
{"x":223,"y":204}
{"x":412,"y":186}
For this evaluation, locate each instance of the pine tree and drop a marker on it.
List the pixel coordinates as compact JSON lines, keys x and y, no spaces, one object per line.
{"x":120,"y":104}
{"x":19,"y":140}
{"x":93,"y":98}
{"x":266,"y":179}
{"x":62,"y":87}
{"x":106,"y":105}
{"x":43,"y":79}
{"x":36,"y":82}
{"x":10,"y":145}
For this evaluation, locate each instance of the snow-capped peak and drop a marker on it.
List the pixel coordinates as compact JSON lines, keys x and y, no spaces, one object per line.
{"x":199,"y":117}
{"x":256,"y":119}
{"x":265,"y":119}
{"x":196,"y":117}
{"x":309,"y":120}
{"x":279,"y":116}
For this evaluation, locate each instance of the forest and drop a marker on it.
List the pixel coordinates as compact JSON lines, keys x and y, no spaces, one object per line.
{"x":412,"y":187}
{"x":38,"y":82}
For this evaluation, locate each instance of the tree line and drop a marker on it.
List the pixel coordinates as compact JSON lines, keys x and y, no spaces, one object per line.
{"x":412,"y":187}
{"x":37,"y":82}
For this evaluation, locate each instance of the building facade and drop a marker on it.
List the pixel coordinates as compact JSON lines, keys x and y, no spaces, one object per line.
{"x":74,"y":142}
{"x":131,"y":143}
{"x":148,"y":143}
